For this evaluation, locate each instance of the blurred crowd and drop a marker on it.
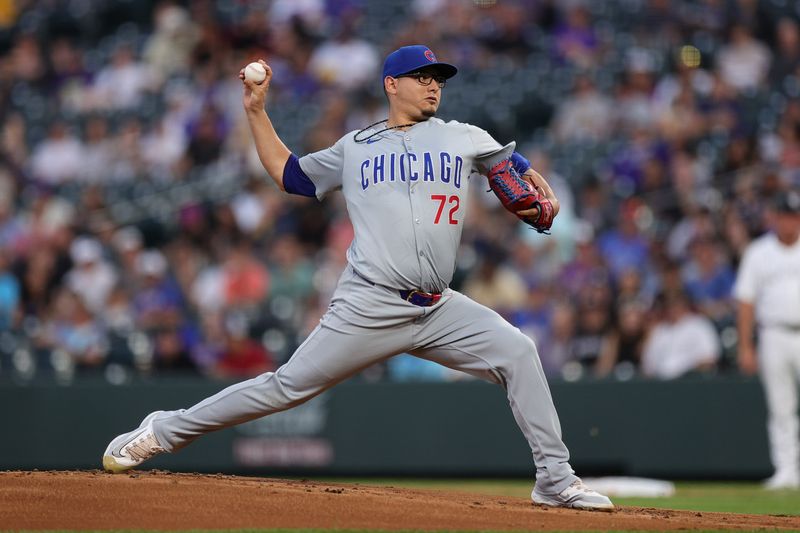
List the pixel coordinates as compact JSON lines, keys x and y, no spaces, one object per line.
{"x":666,"y":127}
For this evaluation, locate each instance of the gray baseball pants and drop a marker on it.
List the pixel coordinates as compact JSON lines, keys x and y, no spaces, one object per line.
{"x":368,"y":323}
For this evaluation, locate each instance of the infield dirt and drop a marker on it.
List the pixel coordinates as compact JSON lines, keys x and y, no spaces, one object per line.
{"x":169,"y":501}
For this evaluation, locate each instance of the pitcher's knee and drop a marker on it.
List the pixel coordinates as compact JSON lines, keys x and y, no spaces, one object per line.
{"x":292,"y":395}
{"x":519,"y":349}
{"x":279,"y":393}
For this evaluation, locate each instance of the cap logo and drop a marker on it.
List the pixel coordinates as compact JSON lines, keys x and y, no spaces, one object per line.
{"x":429,"y":56}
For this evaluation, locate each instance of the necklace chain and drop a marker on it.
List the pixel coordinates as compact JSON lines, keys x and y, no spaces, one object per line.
{"x":368,"y":137}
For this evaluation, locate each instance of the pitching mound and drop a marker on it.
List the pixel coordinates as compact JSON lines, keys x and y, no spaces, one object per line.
{"x":163,"y":500}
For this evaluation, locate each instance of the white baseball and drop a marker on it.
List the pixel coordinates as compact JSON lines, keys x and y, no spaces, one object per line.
{"x":255,"y":72}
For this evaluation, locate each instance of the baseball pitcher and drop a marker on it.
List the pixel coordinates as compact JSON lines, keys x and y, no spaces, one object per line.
{"x":405,"y":181}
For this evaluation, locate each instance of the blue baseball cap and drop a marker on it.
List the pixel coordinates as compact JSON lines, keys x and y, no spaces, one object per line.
{"x":415,"y":57}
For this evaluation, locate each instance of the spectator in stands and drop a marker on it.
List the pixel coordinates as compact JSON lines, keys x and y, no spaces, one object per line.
{"x":587,"y":267}
{"x":98,"y":154}
{"x":630,"y":162}
{"x":507,"y":32}
{"x":58,"y":159}
{"x":128,"y":163}
{"x":70,"y":78}
{"x":708,"y":279}
{"x":584,"y":115}
{"x":345,"y":48}
{"x":186,"y":261}
{"x":697,"y":224}
{"x":40,"y":274}
{"x":787,"y":139}
{"x":172,"y":351}
{"x":245,"y":281}
{"x":307,"y":12}
{"x":741,"y":153}
{"x":634,"y":99}
{"x":787,"y":55}
{"x":495,"y":285}
{"x":687,"y":77}
{"x":291,"y":274}
{"x":49,"y":215}
{"x":14,"y":142}
{"x":625,"y":247}
{"x":557,"y":345}
{"x":534,"y":317}
{"x":722,"y":108}
{"x":575,"y":40}
{"x":162,"y":148}
{"x":158,"y":301}
{"x":744,"y":62}
{"x":301,"y":84}
{"x":168,"y":50}
{"x":119,"y":315}
{"x":73,"y":329}
{"x":13,"y":230}
{"x":92,"y":278}
{"x":595,"y":206}
{"x":591,"y":335}
{"x":622,"y":351}
{"x":680,"y":121}
{"x":681,"y":341}
{"x":250,"y":211}
{"x":127,"y":243}
{"x":207,"y":135}
{"x":241,"y":356}
{"x":122,"y":83}
{"x":26,"y":61}
{"x":9,"y":293}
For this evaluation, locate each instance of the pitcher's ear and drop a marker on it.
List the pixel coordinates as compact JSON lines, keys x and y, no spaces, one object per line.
{"x":390,"y":85}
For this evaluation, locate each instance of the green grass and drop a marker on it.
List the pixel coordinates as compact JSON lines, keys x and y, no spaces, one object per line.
{"x":726,"y":498}
{"x":733,"y":497}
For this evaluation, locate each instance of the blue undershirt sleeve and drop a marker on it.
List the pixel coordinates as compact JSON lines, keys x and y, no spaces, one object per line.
{"x":295,"y":181}
{"x":520,"y":164}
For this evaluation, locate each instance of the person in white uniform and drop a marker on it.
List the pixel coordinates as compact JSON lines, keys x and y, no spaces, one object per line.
{"x":682,"y":341}
{"x":768,"y":293}
{"x":405,"y":181}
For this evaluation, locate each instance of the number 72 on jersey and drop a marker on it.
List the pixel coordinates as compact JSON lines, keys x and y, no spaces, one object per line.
{"x":453,"y":201}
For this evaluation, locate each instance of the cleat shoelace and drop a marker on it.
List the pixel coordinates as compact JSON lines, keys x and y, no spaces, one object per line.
{"x":580,"y":488}
{"x":142,"y":449}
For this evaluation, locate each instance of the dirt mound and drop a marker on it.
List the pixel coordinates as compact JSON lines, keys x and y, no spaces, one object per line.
{"x":165,"y":500}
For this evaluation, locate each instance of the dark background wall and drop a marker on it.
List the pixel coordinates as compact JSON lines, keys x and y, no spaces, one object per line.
{"x":693,"y":428}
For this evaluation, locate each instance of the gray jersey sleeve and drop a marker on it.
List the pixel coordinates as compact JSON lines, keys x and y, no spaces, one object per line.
{"x":488,"y":152}
{"x":325,"y":168}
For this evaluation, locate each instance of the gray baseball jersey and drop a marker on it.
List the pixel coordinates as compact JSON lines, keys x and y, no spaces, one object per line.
{"x":406,"y":194}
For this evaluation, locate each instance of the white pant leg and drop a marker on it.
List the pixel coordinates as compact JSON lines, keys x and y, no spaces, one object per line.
{"x":465,"y":335}
{"x":779,"y":361}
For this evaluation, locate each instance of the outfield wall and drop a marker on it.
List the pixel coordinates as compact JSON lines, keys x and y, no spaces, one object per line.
{"x":694,"y":428}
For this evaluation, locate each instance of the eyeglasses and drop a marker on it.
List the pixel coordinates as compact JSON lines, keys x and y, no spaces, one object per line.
{"x":425,"y":78}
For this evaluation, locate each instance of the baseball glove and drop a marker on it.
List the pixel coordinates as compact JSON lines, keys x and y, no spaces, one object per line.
{"x":516,"y":194}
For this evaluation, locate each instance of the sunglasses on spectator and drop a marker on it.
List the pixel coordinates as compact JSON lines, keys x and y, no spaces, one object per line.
{"x":425,"y":78}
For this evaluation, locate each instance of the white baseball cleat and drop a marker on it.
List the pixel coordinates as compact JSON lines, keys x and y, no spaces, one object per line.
{"x":132,"y":448}
{"x":576,"y":496}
